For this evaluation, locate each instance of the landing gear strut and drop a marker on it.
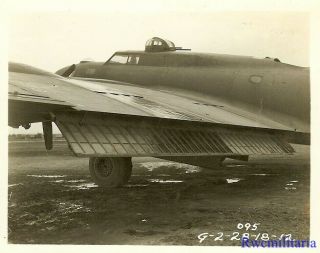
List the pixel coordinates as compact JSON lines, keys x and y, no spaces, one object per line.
{"x":110,"y":171}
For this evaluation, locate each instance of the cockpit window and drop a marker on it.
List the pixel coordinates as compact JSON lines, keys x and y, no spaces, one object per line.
{"x":119,"y":59}
{"x":131,"y":59}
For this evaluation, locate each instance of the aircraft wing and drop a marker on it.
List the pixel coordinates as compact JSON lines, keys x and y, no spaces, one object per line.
{"x":109,"y":118}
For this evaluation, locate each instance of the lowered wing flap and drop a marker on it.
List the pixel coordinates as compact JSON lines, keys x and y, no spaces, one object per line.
{"x":101,"y":134}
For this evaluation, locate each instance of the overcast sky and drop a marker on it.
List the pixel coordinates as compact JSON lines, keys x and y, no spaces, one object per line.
{"x":51,"y":40}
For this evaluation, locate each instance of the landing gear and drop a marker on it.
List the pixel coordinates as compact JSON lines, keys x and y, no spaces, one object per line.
{"x":110,"y":171}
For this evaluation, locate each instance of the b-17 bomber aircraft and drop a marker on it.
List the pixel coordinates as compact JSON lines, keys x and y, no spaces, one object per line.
{"x":165,"y":102}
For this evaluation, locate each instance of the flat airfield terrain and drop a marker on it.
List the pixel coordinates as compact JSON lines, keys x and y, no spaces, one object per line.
{"x":52,"y":200}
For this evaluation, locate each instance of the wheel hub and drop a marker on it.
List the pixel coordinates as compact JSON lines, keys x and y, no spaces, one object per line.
{"x":104,"y":167}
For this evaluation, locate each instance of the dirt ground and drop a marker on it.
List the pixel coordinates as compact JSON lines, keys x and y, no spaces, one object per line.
{"x":52,"y":200}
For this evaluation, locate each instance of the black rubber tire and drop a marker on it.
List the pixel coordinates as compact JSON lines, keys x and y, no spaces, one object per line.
{"x":110,"y":172}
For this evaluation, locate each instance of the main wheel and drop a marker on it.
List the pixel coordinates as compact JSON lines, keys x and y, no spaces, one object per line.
{"x":110,"y":171}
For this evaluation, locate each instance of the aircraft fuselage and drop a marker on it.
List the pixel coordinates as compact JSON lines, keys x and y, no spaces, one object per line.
{"x":265,"y":86}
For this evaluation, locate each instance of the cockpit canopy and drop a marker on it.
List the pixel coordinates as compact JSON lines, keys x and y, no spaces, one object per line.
{"x":157,"y":44}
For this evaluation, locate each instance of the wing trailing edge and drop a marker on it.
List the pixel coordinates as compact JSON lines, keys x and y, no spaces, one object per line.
{"x":93,"y":134}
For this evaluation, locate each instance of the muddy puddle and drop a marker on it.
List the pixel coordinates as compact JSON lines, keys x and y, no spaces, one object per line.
{"x":164,"y":203}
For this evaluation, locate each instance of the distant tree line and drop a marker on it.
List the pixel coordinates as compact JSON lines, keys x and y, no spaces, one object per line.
{"x":37,"y":136}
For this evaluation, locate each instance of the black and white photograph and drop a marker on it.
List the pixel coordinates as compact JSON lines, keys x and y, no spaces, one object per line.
{"x":158,"y":124}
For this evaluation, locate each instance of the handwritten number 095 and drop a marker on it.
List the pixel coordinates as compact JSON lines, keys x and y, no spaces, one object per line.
{"x":247,"y":226}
